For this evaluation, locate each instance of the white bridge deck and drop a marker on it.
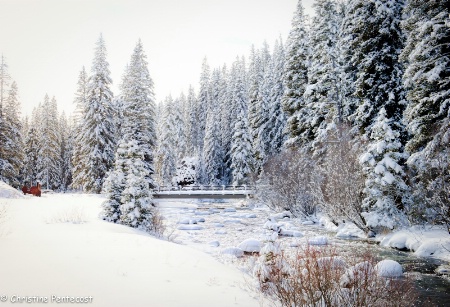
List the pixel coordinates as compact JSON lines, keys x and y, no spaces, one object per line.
{"x":204,"y":192}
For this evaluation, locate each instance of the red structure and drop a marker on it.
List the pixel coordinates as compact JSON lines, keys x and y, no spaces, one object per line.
{"x":35,"y":190}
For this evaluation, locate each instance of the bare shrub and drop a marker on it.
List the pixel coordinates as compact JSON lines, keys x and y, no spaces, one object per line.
{"x":339,"y":190}
{"x":285,"y":183}
{"x":158,"y":226}
{"x":317,"y":276}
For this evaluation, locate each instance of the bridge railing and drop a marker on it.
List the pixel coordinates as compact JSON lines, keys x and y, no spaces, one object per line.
{"x":205,"y":188}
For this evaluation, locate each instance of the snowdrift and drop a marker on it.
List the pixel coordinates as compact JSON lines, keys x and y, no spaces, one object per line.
{"x":7,"y":191}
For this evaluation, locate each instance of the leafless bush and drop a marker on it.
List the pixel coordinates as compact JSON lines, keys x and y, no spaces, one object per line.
{"x":158,"y":226}
{"x":285,"y":183}
{"x":318,"y":277}
{"x":339,"y":191}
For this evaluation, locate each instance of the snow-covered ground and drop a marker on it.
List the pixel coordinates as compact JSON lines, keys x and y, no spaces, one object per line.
{"x":55,"y":247}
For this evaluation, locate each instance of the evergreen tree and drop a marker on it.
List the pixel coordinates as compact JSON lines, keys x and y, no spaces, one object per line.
{"x":166,"y":150}
{"x":203,"y":104}
{"x":426,"y":79}
{"x":322,"y":93}
{"x":66,"y":150}
{"x":212,"y":151}
{"x":49,"y":162}
{"x":427,"y":73}
{"x":80,"y":152}
{"x":179,"y":126}
{"x":97,"y":127}
{"x":12,"y":133}
{"x":277,"y":118}
{"x":191,"y":123}
{"x":386,"y":191}
{"x":376,"y":46}
{"x":32,"y":151}
{"x":6,"y":169}
{"x":241,"y":146}
{"x":296,"y":79}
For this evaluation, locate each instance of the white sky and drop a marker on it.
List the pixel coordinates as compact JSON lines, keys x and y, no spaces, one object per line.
{"x":46,"y":42}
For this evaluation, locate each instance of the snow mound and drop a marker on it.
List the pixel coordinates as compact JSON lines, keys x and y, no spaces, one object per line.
{"x":202,"y":212}
{"x":7,"y":191}
{"x":289,"y":233}
{"x":321,"y":240}
{"x":282,"y":215}
{"x":190,"y":227}
{"x":187,"y":221}
{"x":349,"y":230}
{"x":214,"y":243}
{"x":389,"y":268}
{"x":220,"y":232}
{"x":251,"y":216}
{"x":233,"y":251}
{"x":250,"y":246}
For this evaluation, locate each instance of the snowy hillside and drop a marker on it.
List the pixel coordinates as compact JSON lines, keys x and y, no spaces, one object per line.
{"x":56,"y":246}
{"x":6,"y":191}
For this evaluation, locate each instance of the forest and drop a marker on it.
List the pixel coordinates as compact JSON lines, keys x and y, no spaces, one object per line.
{"x":349,"y":117}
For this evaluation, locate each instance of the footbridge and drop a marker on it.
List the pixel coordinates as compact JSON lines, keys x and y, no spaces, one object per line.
{"x":205,"y":191}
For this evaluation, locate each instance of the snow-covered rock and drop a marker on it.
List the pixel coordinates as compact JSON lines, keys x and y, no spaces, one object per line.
{"x":190,"y":227}
{"x":251,"y":216}
{"x":443,"y":270}
{"x":282,"y":215}
{"x":7,"y":191}
{"x":220,"y":232}
{"x":214,"y":243}
{"x":389,"y":268}
{"x":198,"y":212}
{"x":289,"y":232}
{"x":320,"y":240}
{"x":234,"y":251}
{"x":250,"y":246}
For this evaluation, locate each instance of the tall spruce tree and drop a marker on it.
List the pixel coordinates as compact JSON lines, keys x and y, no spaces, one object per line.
{"x":376,"y":46}
{"x":296,"y":79}
{"x":427,"y":81}
{"x":97,"y":127}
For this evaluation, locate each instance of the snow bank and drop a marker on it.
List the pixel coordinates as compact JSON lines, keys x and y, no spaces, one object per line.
{"x":250,"y":246}
{"x":7,"y":191}
{"x":190,"y":227}
{"x":116,"y":265}
{"x":234,"y":251}
{"x":423,"y":241}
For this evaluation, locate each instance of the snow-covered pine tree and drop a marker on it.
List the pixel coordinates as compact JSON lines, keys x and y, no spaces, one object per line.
{"x":387,"y":194}
{"x":241,"y":145}
{"x":376,"y":44}
{"x":12,"y":150}
{"x":427,"y":81}
{"x":66,"y":150}
{"x":296,"y":79}
{"x":260,"y":83}
{"x":80,"y":151}
{"x":32,"y":150}
{"x":139,"y":104}
{"x":277,"y":118}
{"x":322,"y":92}
{"x":49,"y":146}
{"x":191,"y":126}
{"x":212,"y":150}
{"x":129,"y":184}
{"x":5,"y":167}
{"x":179,"y":134}
{"x":97,"y":128}
{"x":226,"y":107}
{"x":166,"y":150}
{"x":202,"y":104}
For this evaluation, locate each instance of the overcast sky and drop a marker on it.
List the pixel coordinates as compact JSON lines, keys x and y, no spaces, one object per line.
{"x":47,"y":42}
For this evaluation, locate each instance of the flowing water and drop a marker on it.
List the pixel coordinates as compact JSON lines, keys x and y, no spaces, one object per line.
{"x":231,"y":228}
